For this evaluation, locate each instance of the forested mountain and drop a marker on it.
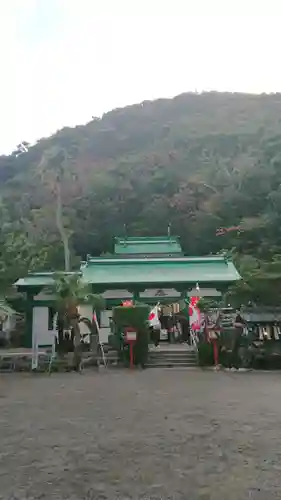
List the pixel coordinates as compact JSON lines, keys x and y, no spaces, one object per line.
{"x":198,"y":161}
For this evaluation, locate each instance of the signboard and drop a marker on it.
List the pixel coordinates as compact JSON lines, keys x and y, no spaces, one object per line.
{"x":167,"y":293}
{"x":131,"y":336}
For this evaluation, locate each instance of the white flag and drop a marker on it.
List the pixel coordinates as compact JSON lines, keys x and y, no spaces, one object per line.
{"x":153,"y":318}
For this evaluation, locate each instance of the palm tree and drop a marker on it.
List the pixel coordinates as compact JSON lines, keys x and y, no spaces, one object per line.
{"x":70,"y":292}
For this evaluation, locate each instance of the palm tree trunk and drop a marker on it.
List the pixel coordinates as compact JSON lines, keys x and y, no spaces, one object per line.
{"x":60,"y":327}
{"x":77,"y":354}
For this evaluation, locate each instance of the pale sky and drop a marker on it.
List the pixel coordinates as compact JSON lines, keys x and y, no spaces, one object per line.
{"x":63,"y":61}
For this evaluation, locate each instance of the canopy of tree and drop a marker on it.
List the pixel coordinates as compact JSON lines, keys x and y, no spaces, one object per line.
{"x":198,"y":161}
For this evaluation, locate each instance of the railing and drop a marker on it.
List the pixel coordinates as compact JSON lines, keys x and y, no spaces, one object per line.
{"x":101,"y":351}
{"x":194,"y":340}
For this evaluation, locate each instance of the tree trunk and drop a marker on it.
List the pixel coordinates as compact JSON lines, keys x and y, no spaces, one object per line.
{"x":61,"y":229}
{"x":77,"y":354}
{"x":60,"y":327}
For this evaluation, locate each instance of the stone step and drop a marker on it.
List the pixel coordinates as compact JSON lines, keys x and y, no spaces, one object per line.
{"x":172,"y":361}
{"x":175,"y":355}
{"x":170,"y":358}
{"x":172,"y":365}
{"x":169,"y":349}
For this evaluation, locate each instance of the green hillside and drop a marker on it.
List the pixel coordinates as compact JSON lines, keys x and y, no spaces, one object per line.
{"x":198,"y":161}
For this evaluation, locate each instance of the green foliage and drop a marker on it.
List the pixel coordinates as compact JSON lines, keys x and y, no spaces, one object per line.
{"x":205,"y":354}
{"x":70,"y":292}
{"x":115,"y":342}
{"x":135,"y":317}
{"x":204,"y":305}
{"x":141,"y":347}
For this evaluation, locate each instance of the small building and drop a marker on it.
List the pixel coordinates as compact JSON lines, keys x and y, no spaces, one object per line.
{"x":263,"y":322}
{"x":7,"y":320}
{"x":145,"y":269}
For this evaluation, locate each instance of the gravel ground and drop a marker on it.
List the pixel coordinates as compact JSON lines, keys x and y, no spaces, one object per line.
{"x":156,"y":434}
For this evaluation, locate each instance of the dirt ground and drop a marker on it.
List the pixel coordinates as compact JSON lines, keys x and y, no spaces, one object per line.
{"x":156,"y":434}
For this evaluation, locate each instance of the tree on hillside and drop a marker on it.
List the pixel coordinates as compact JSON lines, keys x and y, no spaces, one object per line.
{"x":54,"y":172}
{"x":20,"y":252}
{"x":201,"y":161}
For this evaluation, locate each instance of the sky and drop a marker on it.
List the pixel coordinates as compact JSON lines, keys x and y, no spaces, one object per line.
{"x":64,"y":61}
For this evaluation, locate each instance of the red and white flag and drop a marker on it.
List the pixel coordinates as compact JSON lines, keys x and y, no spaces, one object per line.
{"x":95,"y":320}
{"x":194,"y":314}
{"x":153,"y":318}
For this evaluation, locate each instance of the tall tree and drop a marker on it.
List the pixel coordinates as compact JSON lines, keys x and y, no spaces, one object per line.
{"x":53,"y":170}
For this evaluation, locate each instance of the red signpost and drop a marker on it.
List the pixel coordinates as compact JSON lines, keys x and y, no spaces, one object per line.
{"x":131,"y":338}
{"x":213,"y":334}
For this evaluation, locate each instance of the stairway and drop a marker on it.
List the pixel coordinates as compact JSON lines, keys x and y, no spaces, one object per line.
{"x":172,"y":356}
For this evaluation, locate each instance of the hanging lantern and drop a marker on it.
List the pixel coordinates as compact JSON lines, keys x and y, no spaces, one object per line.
{"x":127,"y":303}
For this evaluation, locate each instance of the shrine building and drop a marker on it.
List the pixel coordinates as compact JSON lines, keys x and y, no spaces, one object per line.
{"x":145,"y":269}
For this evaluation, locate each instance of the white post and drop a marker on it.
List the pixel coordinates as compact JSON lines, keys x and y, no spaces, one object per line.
{"x":34,"y":362}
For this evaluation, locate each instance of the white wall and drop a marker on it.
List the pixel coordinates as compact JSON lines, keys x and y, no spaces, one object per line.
{"x":45,"y":336}
{"x":40,"y":326}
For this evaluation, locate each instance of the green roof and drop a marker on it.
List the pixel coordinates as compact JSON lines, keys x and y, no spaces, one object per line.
{"x":115,"y":272}
{"x":190,"y":270}
{"x":147,"y":246}
{"x":38,"y":279}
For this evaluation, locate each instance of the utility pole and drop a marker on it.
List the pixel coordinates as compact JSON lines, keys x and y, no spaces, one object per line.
{"x":169,"y":230}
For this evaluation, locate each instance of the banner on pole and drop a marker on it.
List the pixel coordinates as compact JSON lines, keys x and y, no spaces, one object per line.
{"x":194,"y":314}
{"x":153,"y":318}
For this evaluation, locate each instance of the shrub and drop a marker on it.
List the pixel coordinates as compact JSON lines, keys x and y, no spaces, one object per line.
{"x":205,"y":354}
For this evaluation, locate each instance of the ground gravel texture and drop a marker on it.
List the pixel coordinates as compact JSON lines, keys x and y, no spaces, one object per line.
{"x":143,"y":435}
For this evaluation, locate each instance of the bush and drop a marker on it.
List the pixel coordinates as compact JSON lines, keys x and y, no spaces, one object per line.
{"x":135,"y":316}
{"x":205,"y":354}
{"x":141,"y":347}
{"x":114,"y":342}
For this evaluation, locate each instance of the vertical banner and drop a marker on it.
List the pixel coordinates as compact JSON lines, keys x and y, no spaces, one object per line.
{"x":194,"y":314}
{"x":34,"y":360}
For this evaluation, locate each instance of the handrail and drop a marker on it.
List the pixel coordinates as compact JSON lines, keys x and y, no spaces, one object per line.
{"x":194,"y":340}
{"x":100,"y":346}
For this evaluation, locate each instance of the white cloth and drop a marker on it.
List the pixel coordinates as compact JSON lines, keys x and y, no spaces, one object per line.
{"x":153,"y":318}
